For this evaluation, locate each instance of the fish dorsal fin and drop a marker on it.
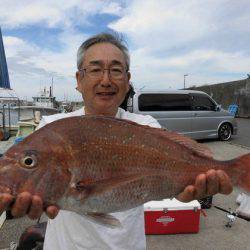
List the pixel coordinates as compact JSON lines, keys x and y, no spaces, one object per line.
{"x":198,"y":148}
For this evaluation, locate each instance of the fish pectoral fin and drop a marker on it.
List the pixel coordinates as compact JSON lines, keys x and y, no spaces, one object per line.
{"x":101,"y":186}
{"x":106,"y":185}
{"x":105,"y":219}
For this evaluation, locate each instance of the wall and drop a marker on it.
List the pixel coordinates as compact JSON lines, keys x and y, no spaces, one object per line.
{"x":236,"y":92}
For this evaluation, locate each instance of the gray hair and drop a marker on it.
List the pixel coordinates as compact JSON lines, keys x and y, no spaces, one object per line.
{"x":114,"y":39}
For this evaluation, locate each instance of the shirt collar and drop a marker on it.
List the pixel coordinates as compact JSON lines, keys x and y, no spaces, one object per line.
{"x":118,"y":114}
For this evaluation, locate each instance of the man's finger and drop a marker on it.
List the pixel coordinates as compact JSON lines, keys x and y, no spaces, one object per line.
{"x":52,"y":211}
{"x":36,"y":208}
{"x":187,"y":195}
{"x":21,"y":205}
{"x":225,"y":185}
{"x":5,"y":201}
{"x":201,"y":186}
{"x":212,"y":182}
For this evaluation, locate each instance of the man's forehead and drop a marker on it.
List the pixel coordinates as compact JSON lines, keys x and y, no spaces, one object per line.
{"x":104,"y":53}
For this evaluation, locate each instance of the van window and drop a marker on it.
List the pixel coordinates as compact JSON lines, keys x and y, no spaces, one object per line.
{"x":164,"y":102}
{"x":202,"y":102}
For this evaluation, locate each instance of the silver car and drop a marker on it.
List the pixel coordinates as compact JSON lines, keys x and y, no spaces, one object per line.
{"x":192,"y":113}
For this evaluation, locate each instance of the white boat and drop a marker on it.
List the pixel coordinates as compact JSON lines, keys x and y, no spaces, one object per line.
{"x":45,"y":99}
{"x":22,"y":120}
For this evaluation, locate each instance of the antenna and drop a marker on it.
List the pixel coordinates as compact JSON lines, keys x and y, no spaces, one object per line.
{"x":52,"y":87}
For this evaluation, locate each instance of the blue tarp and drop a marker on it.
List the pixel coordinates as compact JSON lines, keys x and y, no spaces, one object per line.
{"x":232,"y":109}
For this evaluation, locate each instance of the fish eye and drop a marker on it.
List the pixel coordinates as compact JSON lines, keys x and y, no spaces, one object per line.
{"x":29,"y":161}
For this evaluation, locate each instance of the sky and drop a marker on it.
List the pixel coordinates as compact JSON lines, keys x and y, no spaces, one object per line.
{"x":206,"y":40}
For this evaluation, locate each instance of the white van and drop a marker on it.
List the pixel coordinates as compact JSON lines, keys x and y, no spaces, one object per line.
{"x":192,"y":113}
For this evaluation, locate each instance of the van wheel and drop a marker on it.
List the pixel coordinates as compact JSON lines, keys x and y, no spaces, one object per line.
{"x":225,"y":132}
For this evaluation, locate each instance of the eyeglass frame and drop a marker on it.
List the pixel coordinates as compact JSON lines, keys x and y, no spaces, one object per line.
{"x":103,"y":70}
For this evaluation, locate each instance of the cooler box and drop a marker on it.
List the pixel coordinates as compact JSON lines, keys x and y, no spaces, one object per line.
{"x":171,"y":216}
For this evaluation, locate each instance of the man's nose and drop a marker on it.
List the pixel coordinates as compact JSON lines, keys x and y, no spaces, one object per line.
{"x":105,"y":81}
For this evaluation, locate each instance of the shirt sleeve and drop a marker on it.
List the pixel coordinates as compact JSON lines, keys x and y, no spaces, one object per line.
{"x":152,"y":122}
{"x":147,"y":120}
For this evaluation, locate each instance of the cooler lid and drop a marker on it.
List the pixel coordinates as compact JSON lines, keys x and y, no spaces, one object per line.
{"x":171,"y":204}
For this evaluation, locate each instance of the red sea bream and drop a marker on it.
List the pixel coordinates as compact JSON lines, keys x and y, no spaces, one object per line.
{"x":95,"y":165}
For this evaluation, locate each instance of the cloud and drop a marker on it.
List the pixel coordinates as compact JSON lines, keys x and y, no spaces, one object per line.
{"x":113,"y":8}
{"x":13,"y":41}
{"x":57,"y":13}
{"x":30,"y":12}
{"x":35,"y":66}
{"x":167,"y":23}
{"x":202,"y":66}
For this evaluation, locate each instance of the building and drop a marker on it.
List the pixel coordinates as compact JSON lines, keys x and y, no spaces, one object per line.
{"x":4,"y":75}
{"x":7,"y":95}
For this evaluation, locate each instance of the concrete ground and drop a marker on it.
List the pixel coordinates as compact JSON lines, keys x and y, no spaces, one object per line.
{"x":212,"y":235}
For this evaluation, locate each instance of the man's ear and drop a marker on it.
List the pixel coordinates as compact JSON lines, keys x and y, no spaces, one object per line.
{"x":79,"y":77}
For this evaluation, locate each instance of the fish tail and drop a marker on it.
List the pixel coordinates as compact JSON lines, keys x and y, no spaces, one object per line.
{"x":240,"y":172}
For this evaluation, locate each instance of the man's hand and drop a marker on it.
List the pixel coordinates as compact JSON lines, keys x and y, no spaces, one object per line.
{"x":24,"y":204}
{"x":210,"y":183}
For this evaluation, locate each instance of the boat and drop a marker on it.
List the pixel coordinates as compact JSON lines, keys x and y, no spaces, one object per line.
{"x":29,"y":115}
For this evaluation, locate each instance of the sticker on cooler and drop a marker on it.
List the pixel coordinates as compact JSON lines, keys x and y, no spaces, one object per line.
{"x":165,"y":220}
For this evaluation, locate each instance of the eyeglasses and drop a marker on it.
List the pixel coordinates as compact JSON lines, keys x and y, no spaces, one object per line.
{"x":95,"y":72}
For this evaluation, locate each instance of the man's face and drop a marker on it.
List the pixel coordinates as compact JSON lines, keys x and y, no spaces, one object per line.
{"x":102,"y":96}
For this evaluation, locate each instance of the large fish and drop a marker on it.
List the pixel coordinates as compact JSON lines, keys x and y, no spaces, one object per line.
{"x":95,"y":165}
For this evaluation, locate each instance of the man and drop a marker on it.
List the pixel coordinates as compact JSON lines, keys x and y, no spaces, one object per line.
{"x":103,"y":80}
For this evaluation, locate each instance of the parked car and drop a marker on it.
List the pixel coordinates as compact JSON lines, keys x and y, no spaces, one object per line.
{"x":189,"y":112}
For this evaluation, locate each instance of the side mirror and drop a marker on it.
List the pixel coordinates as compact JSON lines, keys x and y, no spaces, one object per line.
{"x":218,"y":108}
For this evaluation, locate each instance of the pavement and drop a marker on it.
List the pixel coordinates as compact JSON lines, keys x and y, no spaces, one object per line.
{"x":243,"y":135}
{"x":212,"y":234}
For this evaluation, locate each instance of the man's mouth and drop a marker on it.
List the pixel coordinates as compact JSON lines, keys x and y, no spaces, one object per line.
{"x":106,"y":93}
